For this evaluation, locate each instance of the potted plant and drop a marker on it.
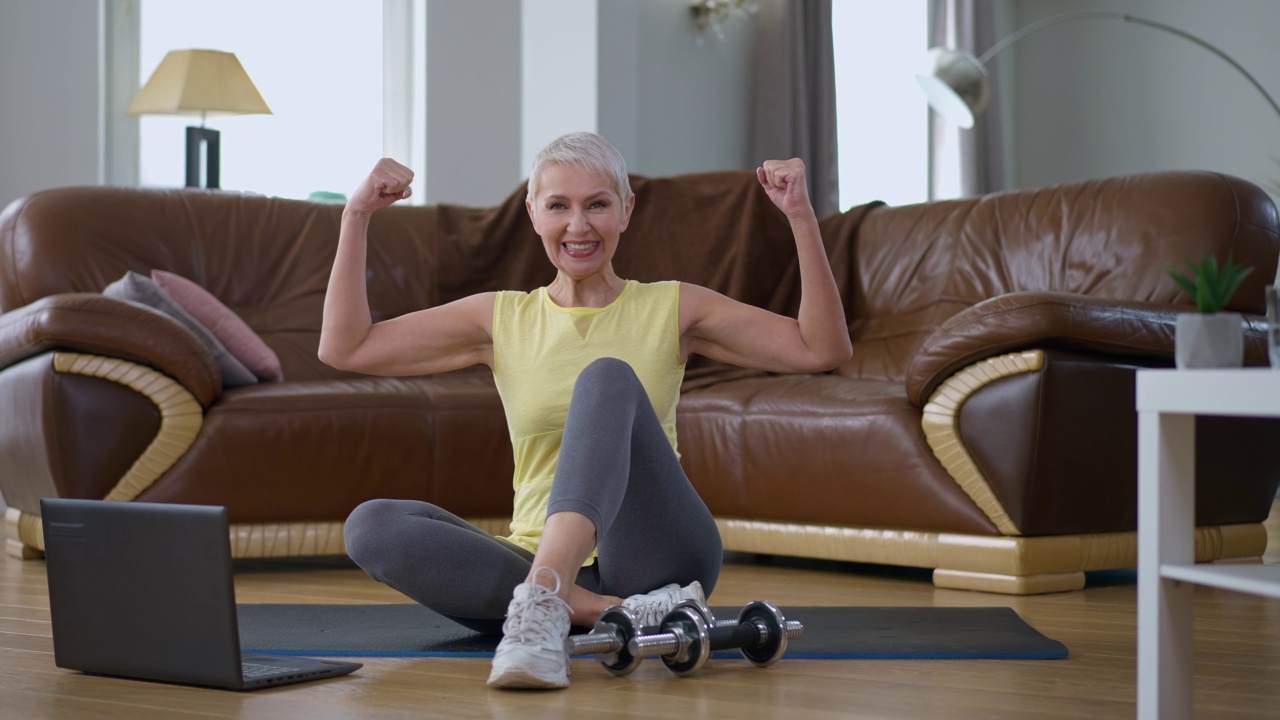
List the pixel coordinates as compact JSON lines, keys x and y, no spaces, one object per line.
{"x":1209,"y":338}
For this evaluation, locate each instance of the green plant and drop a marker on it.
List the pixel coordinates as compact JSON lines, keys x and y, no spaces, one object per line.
{"x":1210,"y":286}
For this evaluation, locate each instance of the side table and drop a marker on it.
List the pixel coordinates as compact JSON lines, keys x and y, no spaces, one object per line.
{"x":1168,"y":402}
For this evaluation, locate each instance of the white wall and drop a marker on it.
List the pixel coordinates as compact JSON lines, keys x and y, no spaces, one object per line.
{"x":635,"y":73}
{"x":473,"y":100}
{"x":49,"y":96}
{"x":1095,"y":98}
{"x":669,"y":104}
{"x":559,"y":47}
{"x":505,"y":77}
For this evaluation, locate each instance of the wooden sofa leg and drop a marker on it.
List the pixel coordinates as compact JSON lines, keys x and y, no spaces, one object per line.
{"x":17,"y":549}
{"x":14,"y":522}
{"x":1009,"y":584}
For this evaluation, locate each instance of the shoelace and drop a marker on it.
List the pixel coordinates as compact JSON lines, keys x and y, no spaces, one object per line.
{"x":531,"y":619}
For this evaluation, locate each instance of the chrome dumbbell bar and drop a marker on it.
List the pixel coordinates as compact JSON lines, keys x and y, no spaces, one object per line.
{"x":687,"y":636}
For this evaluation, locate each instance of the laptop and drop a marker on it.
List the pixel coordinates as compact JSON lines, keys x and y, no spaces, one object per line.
{"x":144,"y":590}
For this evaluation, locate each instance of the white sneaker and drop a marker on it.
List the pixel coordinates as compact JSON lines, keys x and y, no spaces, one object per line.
{"x":651,"y":607}
{"x":531,"y":654}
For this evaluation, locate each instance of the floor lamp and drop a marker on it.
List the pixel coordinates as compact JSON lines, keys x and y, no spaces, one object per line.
{"x":959,"y":87}
{"x":200,"y":82}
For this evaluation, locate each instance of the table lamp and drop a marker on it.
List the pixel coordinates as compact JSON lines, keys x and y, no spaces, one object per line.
{"x":959,"y":87}
{"x":199,"y":82}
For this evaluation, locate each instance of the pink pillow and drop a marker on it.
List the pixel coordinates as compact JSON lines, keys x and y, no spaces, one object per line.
{"x":240,"y":339}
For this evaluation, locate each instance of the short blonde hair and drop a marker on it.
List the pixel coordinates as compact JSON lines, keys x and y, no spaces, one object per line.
{"x":585,"y":150}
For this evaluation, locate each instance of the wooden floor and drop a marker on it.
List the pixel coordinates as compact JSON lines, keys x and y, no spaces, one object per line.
{"x":1237,"y":641}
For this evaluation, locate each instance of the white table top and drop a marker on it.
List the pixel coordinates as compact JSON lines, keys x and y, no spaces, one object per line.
{"x":1237,"y":391}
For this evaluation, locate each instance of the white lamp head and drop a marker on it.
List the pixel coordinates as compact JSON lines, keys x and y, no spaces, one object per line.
{"x":958,"y":88}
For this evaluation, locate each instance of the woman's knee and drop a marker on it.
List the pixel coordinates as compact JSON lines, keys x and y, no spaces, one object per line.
{"x":608,"y":368}
{"x":608,"y":374}
{"x":368,"y":531}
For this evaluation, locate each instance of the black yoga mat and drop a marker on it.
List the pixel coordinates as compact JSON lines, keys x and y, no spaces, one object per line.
{"x":838,"y":633}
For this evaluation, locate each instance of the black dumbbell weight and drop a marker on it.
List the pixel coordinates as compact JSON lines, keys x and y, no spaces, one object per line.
{"x":773,"y":631}
{"x":688,"y":635}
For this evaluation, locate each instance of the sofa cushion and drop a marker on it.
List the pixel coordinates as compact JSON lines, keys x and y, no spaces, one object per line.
{"x":780,"y":448}
{"x":312,"y":450}
{"x":239,"y":339}
{"x":141,"y":289}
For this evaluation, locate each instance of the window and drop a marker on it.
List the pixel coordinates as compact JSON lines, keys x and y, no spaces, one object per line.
{"x":318,"y":65}
{"x":881,"y":114}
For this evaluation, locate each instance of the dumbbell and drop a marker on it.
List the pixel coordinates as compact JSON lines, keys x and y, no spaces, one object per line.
{"x":609,"y":641}
{"x":689,"y":634}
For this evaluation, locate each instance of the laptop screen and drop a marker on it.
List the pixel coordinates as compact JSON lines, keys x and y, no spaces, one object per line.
{"x":142,"y":590}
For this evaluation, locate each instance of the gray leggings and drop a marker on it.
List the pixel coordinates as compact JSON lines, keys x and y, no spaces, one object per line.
{"x":616,"y":467}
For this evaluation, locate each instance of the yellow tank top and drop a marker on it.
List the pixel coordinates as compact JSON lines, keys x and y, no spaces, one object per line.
{"x":540,"y":348}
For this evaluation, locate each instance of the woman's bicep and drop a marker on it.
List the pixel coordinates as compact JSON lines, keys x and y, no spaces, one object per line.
{"x":438,"y":339}
{"x":727,"y":330}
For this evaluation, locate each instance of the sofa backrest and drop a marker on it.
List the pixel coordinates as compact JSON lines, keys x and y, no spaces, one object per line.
{"x":912,"y":267}
{"x":902,"y":271}
{"x":268,"y":259}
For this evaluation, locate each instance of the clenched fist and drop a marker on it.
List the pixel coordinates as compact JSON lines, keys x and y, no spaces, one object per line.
{"x":386,"y":184}
{"x":785,"y":184}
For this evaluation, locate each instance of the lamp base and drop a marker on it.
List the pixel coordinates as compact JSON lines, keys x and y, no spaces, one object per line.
{"x":196,"y":136}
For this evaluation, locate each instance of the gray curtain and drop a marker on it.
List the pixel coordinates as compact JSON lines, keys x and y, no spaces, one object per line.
{"x":970,"y":25}
{"x":794,"y":111}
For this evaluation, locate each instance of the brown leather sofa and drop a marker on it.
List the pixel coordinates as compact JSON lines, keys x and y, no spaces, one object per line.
{"x":985,"y":426}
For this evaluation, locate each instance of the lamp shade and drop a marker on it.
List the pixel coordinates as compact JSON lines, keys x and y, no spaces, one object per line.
{"x":199,"y":82}
{"x":959,"y":88}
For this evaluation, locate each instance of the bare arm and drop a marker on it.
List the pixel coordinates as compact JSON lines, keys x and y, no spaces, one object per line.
{"x":432,"y":340}
{"x":816,"y":340}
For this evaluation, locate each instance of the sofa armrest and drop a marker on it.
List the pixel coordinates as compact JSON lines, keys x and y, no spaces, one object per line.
{"x":1067,"y":321}
{"x":92,"y":323}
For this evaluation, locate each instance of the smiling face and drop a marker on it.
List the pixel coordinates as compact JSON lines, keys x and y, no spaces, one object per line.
{"x":579,"y":216}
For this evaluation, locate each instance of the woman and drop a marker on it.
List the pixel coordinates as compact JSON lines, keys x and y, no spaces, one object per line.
{"x":589,"y":370}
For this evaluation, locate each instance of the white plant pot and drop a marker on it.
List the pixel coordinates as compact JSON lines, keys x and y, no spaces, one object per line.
{"x":1209,"y":341}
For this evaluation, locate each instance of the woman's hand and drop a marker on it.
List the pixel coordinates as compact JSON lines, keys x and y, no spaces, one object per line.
{"x":784,"y":181}
{"x":816,"y":340}
{"x":386,"y":184}
{"x":437,"y":339}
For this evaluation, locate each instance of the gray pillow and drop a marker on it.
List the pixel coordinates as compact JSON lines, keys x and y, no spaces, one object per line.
{"x":142,"y":289}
